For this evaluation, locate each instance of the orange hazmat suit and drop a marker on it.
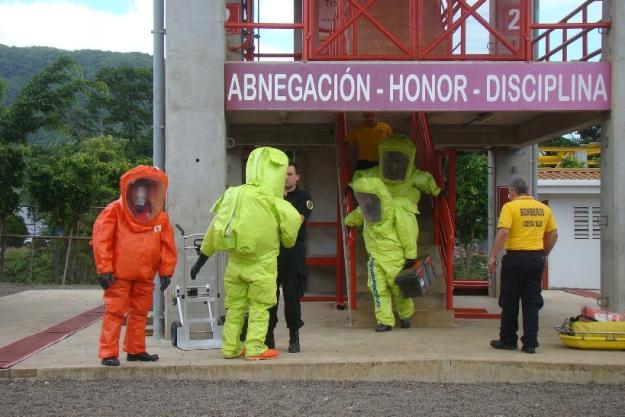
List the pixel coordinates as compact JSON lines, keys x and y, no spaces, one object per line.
{"x":132,"y":240}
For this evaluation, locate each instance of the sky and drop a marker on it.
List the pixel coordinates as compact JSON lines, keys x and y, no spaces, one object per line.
{"x":125,"y":25}
{"x":113,"y":25}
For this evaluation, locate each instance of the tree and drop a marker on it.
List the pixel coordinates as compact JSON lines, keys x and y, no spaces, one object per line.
{"x":582,"y":137}
{"x":471,"y":202}
{"x":125,"y":106}
{"x":42,"y":103}
{"x":590,"y":135}
{"x":559,"y":141}
{"x":68,"y":184}
{"x":570,"y":161}
{"x":15,"y":225}
{"x":11,"y":167}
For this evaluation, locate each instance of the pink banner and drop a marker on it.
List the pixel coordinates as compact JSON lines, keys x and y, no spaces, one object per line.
{"x":418,"y":86}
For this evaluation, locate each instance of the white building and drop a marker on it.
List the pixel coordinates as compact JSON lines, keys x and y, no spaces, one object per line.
{"x":574,"y":196}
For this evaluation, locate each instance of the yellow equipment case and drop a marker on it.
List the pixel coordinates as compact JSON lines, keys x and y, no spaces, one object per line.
{"x":600,"y":335}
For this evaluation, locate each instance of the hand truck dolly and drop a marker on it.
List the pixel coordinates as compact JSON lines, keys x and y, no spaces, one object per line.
{"x":191,"y":299}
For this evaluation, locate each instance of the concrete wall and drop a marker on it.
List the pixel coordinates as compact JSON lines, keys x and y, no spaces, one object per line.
{"x":195,"y":124}
{"x":612,"y":168}
{"x":512,"y":163}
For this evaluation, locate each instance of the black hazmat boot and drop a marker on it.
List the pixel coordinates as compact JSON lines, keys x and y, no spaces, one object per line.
{"x":270,"y":341}
{"x":112,"y":361}
{"x":293,"y":341}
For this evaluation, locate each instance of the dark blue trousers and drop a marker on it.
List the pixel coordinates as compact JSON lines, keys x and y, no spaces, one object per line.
{"x":521,"y":274}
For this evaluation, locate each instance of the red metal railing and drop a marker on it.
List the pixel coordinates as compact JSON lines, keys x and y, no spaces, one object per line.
{"x":443,"y":221}
{"x":348,"y":236}
{"x":584,"y":29}
{"x":368,"y":31}
{"x":427,"y":30}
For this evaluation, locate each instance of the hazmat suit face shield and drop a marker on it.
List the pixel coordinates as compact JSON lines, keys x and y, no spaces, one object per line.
{"x":144,"y":199}
{"x":395,"y":165}
{"x":397,"y":154}
{"x":370,"y":205}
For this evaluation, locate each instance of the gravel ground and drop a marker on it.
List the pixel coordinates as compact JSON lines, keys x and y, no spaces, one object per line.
{"x":159,"y":397}
{"x":8,"y":288}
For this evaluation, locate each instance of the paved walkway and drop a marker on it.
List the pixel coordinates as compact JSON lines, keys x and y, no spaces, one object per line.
{"x":330,"y":349}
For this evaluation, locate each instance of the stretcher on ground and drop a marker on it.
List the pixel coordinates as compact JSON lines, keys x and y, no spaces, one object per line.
{"x":578,"y":333}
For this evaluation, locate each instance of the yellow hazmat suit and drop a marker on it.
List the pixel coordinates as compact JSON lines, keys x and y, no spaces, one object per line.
{"x":390,"y":238}
{"x":405,"y":183}
{"x":250,"y":222}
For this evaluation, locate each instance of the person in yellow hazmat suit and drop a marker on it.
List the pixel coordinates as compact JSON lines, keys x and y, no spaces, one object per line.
{"x":250,"y":223}
{"x":390,"y":238}
{"x":405,"y":183}
{"x":397,"y":171}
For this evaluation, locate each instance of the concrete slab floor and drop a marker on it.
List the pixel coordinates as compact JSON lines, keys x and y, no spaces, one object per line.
{"x":334,"y":351}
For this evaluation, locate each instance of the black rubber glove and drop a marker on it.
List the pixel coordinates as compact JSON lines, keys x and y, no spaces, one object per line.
{"x":106,"y":280}
{"x":198,"y":265}
{"x":409,"y":263}
{"x":165,"y":281}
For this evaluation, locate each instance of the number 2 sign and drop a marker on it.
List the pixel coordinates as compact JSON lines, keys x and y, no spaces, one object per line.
{"x":510,"y":18}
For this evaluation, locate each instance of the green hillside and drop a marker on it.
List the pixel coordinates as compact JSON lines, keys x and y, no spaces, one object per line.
{"x":18,"y":65}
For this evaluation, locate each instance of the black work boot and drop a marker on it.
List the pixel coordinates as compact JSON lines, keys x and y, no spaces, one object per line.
{"x":293,"y":341}
{"x":498,"y":344}
{"x":143,"y":357}
{"x":381,"y":327}
{"x":112,"y":361}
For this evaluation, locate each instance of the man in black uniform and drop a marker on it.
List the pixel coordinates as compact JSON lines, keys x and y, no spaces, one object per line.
{"x":528,"y":231}
{"x":292,"y":267}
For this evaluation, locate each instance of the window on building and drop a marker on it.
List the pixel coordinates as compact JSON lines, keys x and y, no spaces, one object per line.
{"x":580,"y":222}
{"x":596,"y":222}
{"x":586,"y":222}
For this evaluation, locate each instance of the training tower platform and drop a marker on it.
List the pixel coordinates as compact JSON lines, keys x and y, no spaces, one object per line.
{"x":490,"y":75}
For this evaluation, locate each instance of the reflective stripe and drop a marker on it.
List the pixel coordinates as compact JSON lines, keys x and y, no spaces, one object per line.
{"x":374,"y":284}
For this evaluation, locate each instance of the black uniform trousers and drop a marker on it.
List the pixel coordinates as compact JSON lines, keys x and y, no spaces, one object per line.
{"x":291,"y":275}
{"x":521,"y":274}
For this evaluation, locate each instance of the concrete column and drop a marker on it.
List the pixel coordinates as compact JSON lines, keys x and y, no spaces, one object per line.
{"x":612,"y":167}
{"x":195,"y":119}
{"x":297,"y":17}
{"x":513,"y":163}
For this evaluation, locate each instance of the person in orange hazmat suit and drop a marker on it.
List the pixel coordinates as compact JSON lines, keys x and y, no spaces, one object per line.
{"x":132,"y":241}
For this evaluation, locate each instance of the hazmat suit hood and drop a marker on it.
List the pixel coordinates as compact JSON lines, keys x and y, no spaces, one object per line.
{"x":397,"y":154}
{"x":374,"y":200}
{"x":266,"y":168}
{"x":143,"y":191}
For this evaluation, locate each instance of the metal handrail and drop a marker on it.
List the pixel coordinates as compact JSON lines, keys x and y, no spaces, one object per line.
{"x":443,"y":220}
{"x":348,"y":13}
{"x":564,"y":25}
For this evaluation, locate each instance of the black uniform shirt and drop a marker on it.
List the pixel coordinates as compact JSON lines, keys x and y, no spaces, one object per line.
{"x":301,"y":200}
